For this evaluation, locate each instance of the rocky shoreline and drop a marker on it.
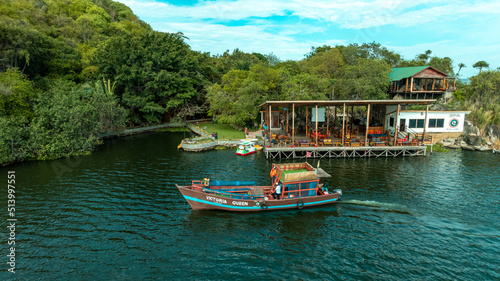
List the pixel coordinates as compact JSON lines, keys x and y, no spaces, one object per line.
{"x":471,"y":139}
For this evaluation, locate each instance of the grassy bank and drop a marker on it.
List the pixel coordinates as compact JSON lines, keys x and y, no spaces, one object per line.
{"x":225,"y":132}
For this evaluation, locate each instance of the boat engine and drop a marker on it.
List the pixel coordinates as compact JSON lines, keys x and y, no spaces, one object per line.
{"x":339,"y":191}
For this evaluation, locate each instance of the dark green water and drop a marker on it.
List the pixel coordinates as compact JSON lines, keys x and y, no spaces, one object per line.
{"x":117,"y":215}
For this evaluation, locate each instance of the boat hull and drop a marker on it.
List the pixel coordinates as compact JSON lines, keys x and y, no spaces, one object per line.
{"x":245,"y":153}
{"x":199,"y":200}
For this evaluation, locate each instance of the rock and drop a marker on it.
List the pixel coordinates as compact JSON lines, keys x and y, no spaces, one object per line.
{"x":492,"y":132}
{"x":470,"y":129}
{"x":468,"y":147}
{"x":448,"y":142}
{"x":473,"y":140}
{"x":489,"y":143}
{"x":484,"y":148}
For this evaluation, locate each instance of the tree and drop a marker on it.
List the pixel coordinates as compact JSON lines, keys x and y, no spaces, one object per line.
{"x":156,"y":73}
{"x":324,"y":64}
{"x":367,"y":79}
{"x":17,"y":94}
{"x":425,"y":56}
{"x":460,"y":66}
{"x":480,"y":64}
{"x":237,"y":98}
{"x":443,"y":64}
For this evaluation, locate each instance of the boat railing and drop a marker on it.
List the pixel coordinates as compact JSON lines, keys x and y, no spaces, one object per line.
{"x":288,"y":193}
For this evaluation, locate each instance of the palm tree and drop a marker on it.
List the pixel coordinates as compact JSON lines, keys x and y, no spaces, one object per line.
{"x":460,"y":66}
{"x":480,"y":64}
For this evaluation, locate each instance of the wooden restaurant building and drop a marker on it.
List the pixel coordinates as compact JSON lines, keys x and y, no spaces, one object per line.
{"x":420,"y":82}
{"x":340,"y":128}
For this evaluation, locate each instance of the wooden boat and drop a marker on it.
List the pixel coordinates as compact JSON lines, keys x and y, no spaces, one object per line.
{"x":300,"y":188}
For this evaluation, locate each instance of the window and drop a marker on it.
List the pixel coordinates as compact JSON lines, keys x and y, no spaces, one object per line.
{"x":436,"y":123}
{"x":416,"y":123}
{"x":391,"y":122}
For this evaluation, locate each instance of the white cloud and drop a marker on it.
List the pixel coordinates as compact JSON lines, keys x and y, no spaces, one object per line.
{"x":465,"y":30}
{"x":217,"y":38}
{"x":348,"y":14}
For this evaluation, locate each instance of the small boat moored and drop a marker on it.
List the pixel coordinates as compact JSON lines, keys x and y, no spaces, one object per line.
{"x":294,"y":186}
{"x":246,"y":147}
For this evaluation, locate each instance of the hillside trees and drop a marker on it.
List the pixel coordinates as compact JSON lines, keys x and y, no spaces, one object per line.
{"x":155,"y":73}
{"x":66,"y":121}
{"x":236,"y":98}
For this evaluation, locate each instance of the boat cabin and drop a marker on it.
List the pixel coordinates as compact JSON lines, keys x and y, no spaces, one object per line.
{"x":297,"y":180}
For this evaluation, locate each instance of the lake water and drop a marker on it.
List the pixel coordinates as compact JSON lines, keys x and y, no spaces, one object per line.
{"x":117,"y":215}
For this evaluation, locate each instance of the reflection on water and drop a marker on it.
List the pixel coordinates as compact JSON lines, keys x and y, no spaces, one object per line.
{"x":117,"y":214}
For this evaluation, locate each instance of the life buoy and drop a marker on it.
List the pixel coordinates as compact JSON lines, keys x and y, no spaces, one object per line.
{"x":257,"y":203}
{"x":300,"y":204}
{"x":264,"y":206}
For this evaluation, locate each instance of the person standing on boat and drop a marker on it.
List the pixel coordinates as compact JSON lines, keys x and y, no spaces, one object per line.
{"x":273,"y":175}
{"x":276,"y":191}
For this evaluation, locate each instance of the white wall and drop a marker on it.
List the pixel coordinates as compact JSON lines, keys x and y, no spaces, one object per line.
{"x":453,"y":120}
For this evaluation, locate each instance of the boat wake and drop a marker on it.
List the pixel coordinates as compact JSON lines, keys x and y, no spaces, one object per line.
{"x":391,"y":207}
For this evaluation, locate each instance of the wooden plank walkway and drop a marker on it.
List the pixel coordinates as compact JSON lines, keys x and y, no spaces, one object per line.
{"x":343,"y":152}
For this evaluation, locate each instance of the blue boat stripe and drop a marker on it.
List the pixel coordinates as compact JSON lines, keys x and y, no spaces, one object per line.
{"x":254,"y":207}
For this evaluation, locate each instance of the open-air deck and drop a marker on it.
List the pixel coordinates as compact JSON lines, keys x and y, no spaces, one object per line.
{"x":340,"y":137}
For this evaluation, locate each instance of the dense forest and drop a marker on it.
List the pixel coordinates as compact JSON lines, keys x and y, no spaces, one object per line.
{"x":72,"y":70}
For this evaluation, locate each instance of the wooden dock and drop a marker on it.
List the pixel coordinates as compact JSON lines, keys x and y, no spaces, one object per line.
{"x":343,"y":152}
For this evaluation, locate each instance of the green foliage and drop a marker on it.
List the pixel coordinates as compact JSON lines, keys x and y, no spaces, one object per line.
{"x":438,"y":148}
{"x":368,"y":79}
{"x":67,"y":120}
{"x":240,"y":60}
{"x":156,"y":72}
{"x":481,"y":64}
{"x":16,"y":94}
{"x":482,"y":98}
{"x":236,"y":99}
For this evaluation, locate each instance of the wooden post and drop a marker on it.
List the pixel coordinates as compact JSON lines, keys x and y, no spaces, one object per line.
{"x":316,"y":115}
{"x":444,"y":83}
{"x":335,"y":117}
{"x":293,"y":123}
{"x":352,"y":119}
{"x":270,"y":124}
{"x":343,"y":127}
{"x":347,"y":121}
{"x":411,"y":85}
{"x":433,"y":82}
{"x":306,"y":120}
{"x":425,"y":122}
{"x":397,"y":126}
{"x":406,"y":85}
{"x":287,"y":109}
{"x":367,"y":125}
{"x":328,"y":122}
{"x":454,"y":83}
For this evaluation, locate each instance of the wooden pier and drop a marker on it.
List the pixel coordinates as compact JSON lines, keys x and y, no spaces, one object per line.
{"x":344,"y":152}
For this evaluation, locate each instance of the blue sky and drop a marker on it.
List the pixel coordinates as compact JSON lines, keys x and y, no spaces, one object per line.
{"x":465,"y":31}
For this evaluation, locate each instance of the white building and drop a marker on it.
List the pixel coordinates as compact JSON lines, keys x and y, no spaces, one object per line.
{"x":440,"y":124}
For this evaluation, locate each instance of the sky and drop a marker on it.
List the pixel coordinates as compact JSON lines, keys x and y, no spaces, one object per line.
{"x":465,"y":31}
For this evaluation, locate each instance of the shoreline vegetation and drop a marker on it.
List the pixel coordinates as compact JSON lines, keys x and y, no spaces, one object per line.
{"x":72,"y":71}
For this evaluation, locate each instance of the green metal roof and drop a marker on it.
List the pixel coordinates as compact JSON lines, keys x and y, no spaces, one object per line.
{"x":399,"y":73}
